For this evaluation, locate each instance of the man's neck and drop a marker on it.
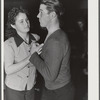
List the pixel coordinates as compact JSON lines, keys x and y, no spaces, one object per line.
{"x":52,"y":28}
{"x":53,"y":25}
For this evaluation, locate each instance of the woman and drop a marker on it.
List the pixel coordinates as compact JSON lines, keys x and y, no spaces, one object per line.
{"x":20,"y":74}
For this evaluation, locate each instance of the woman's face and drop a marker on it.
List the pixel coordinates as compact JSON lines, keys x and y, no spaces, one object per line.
{"x":22,"y":24}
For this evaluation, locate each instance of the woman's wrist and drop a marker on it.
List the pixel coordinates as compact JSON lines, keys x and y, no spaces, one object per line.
{"x":28,"y":58}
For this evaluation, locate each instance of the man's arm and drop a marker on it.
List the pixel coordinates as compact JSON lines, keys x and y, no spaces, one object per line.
{"x":49,"y":66}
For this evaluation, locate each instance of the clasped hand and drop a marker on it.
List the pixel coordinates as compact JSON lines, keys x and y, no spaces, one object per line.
{"x":36,"y":47}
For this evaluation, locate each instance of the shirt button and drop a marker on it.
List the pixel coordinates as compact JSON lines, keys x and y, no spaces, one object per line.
{"x":27,"y":76}
{"x":29,"y":51}
{"x":28,"y":66}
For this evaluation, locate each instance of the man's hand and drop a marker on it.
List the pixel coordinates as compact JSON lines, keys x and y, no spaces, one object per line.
{"x":36,"y":48}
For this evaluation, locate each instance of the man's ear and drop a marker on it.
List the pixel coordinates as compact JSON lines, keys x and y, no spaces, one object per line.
{"x":53,"y":14}
{"x":13,"y":26}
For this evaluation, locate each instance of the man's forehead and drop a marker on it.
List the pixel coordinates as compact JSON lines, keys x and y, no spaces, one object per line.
{"x":43,"y":7}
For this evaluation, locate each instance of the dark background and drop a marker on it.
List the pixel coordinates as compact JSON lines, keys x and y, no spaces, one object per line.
{"x":75,"y":10}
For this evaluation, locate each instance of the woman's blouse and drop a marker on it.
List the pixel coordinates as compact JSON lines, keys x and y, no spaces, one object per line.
{"x":16,"y":49}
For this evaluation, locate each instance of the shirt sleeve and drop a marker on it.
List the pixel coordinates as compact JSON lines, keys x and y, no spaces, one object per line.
{"x":8,"y":55}
{"x":49,"y":66}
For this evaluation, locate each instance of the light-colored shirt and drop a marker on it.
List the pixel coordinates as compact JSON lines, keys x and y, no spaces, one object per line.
{"x":15,"y":49}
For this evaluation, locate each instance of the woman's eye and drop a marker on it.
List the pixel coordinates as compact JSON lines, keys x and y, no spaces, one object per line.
{"x":27,"y":20}
{"x":21,"y":22}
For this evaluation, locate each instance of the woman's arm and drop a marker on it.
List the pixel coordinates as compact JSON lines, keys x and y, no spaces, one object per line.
{"x":37,"y":37}
{"x":10,"y":65}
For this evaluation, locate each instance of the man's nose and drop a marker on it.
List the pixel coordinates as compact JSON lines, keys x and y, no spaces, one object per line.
{"x":38,"y":15}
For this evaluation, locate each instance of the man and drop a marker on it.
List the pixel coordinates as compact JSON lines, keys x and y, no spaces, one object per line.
{"x":53,"y":63}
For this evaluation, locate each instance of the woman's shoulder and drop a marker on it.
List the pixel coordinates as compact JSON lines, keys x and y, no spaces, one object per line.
{"x":9,"y":41}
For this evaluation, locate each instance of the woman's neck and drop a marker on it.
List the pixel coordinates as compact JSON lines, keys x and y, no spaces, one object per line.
{"x":24,"y":36}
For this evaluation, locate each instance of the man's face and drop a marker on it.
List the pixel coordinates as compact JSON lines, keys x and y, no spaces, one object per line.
{"x":44,"y":16}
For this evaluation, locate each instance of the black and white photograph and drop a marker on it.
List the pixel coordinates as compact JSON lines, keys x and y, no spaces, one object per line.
{"x":46,"y":49}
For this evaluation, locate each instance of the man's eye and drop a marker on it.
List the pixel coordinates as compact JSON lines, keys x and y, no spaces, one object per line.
{"x":40,"y":12}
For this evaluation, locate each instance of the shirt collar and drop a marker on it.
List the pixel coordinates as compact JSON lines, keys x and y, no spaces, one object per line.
{"x":19,"y":40}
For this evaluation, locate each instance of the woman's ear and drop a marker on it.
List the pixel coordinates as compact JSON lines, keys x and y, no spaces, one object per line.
{"x":13,"y":26}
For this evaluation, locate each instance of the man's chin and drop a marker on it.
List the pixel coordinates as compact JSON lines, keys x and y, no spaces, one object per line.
{"x":43,"y":27}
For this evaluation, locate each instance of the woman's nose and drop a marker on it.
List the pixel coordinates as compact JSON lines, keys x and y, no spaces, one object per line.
{"x":25,"y":23}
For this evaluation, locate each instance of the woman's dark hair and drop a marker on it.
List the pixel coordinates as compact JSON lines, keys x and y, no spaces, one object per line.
{"x":9,"y":32}
{"x":54,"y":5}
